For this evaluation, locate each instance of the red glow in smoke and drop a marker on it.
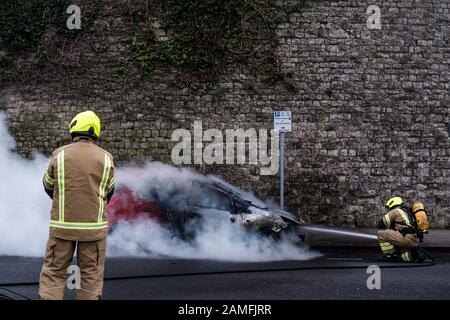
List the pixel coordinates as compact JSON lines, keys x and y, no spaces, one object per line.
{"x":125,"y":205}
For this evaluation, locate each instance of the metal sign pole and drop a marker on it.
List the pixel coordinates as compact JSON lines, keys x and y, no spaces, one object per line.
{"x":282,"y":170}
{"x":282,"y":121}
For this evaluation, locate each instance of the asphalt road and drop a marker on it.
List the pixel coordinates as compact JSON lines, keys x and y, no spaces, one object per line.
{"x":182,"y":279}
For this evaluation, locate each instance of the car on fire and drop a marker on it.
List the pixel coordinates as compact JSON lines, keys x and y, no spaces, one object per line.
{"x":201,"y":199}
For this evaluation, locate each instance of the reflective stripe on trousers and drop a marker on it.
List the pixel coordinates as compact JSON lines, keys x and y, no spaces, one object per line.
{"x":406,"y":256}
{"x":386,"y":247}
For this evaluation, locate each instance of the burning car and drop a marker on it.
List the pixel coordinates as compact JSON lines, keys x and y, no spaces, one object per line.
{"x":180,"y":206}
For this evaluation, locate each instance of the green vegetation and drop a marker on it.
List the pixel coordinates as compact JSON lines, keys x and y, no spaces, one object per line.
{"x":23,"y":25}
{"x":204,"y":36}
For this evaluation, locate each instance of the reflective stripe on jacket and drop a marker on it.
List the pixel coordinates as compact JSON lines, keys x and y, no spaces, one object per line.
{"x":396,"y":219}
{"x":81,"y":176}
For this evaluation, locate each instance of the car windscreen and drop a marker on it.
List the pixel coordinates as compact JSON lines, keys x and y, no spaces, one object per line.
{"x":212,"y":198}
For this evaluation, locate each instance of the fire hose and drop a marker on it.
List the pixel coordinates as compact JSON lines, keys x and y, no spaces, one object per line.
{"x":432,"y":262}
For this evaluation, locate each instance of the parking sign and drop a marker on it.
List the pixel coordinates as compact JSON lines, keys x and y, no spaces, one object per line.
{"x":282,"y":121}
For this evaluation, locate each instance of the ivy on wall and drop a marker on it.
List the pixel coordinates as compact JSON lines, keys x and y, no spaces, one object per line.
{"x":204,"y":36}
{"x":208,"y":35}
{"x":23,"y":24}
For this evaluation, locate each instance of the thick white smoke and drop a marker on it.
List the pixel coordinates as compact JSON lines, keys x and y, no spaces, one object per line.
{"x":24,"y":207}
{"x":24,"y":215}
{"x":215,"y":238}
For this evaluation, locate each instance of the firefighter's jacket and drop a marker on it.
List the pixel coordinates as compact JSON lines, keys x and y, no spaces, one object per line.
{"x":396,"y":219}
{"x":80,"y":177}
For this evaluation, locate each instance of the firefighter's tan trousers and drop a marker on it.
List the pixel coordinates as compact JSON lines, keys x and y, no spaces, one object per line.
{"x":393,"y":242}
{"x":58,"y":258}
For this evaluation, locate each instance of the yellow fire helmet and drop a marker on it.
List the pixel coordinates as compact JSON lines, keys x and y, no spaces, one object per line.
{"x":86,"y":124}
{"x":393,"y":202}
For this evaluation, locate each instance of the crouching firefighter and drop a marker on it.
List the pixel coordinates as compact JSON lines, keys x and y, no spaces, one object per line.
{"x":80,"y":179}
{"x":401,"y":230}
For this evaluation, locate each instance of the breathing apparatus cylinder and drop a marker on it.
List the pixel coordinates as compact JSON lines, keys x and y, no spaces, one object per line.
{"x":418,"y":209}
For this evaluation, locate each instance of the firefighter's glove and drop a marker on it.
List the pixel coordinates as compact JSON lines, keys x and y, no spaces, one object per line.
{"x":407,"y":230}
{"x":381,"y":225}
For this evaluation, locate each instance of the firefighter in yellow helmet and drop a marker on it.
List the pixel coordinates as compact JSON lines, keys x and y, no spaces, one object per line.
{"x":80,"y":179}
{"x":397,"y":233}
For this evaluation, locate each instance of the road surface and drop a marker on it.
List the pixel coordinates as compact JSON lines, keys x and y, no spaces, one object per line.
{"x":182,"y":279}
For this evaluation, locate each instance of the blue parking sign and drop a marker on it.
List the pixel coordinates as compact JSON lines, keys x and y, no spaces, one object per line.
{"x":282,"y":121}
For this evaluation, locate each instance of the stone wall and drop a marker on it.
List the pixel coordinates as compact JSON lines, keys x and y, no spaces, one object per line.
{"x":370,"y":109}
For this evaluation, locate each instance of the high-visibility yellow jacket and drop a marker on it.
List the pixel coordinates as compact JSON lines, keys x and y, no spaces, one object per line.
{"x":80,"y":178}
